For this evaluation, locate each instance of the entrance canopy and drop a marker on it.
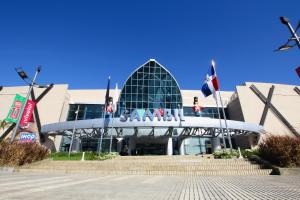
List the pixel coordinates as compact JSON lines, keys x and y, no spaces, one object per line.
{"x":191,"y":126}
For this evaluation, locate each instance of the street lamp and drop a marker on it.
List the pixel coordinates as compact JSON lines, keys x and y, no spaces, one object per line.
{"x":31,"y":84}
{"x":293,"y":38}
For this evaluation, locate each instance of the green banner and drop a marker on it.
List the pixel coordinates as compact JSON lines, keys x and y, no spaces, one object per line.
{"x":15,"y":109}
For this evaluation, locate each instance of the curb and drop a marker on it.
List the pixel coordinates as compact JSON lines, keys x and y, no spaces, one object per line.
{"x":7,"y":170}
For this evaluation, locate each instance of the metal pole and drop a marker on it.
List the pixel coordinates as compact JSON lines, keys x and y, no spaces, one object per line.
{"x":224,"y":116}
{"x":101,"y":130}
{"x":71,"y":144}
{"x":294,"y":34}
{"x":111,"y":132}
{"x":223,"y":138}
{"x":23,"y":106}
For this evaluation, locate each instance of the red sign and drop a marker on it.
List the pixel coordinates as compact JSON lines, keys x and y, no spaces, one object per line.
{"x":298,"y":71}
{"x":27,"y":113}
{"x":16,"y":109}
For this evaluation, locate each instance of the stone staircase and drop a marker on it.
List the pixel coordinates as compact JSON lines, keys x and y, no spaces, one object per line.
{"x":152,"y":165}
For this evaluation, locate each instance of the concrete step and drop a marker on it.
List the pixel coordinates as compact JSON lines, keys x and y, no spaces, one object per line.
{"x":152,"y":165}
{"x":163,"y":168}
{"x":261,"y":172}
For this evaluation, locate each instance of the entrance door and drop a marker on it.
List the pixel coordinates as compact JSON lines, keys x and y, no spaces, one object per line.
{"x":150,"y":149}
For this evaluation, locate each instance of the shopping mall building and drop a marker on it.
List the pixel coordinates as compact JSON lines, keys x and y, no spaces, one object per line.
{"x":154,"y":116}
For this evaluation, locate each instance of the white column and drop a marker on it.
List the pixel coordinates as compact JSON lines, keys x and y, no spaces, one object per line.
{"x":181,"y":148}
{"x":216,"y":145}
{"x":170,"y":147}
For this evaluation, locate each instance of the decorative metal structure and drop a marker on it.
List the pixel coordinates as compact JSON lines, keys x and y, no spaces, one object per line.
{"x":36,"y":113}
{"x":269,"y":105}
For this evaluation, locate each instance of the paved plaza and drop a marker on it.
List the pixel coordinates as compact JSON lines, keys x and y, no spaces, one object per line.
{"x":65,"y":186}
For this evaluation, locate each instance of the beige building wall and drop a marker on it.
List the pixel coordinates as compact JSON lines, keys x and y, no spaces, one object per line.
{"x":284,"y":98}
{"x":50,"y":107}
{"x":97,"y":96}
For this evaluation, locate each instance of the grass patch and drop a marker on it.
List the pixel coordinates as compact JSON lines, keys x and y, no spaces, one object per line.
{"x":78,"y":156}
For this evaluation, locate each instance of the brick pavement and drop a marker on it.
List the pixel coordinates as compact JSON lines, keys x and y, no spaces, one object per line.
{"x":71,"y":186}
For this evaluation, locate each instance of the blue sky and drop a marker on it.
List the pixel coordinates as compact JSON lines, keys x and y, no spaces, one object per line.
{"x":83,"y":42}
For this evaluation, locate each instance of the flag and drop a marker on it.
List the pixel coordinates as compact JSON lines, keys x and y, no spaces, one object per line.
{"x":15,"y":108}
{"x":211,"y":84}
{"x":107,"y":93}
{"x":115,"y":99}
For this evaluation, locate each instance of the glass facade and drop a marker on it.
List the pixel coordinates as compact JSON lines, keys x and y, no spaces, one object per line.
{"x":86,"y":111}
{"x":211,"y":112}
{"x":197,"y":145}
{"x":150,"y":87}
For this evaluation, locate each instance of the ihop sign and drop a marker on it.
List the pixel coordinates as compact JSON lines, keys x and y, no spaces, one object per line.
{"x":27,"y":137}
{"x":160,"y":114}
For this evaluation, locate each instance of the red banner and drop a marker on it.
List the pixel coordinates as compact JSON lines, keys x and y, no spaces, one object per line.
{"x":27,"y":113}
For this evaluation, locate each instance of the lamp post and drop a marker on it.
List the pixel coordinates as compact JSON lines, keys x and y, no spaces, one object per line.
{"x":24,"y":76}
{"x":73,"y":132}
{"x":294,"y":37}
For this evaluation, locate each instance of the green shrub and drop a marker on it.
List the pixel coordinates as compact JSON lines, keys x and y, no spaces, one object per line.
{"x":78,"y":156}
{"x":17,"y":154}
{"x":246,"y":153}
{"x":226,"y":154}
{"x":283,"y":151}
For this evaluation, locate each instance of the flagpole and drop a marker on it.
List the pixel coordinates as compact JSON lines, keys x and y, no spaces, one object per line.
{"x":114,"y":109}
{"x":223,"y":138}
{"x":111,"y":132}
{"x":224,"y":115}
{"x":103,"y":114}
{"x":101,"y":131}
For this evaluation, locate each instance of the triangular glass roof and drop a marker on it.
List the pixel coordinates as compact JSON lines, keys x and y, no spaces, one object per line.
{"x":151,"y":86}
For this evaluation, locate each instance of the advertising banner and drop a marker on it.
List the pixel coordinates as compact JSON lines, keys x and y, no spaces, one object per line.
{"x":15,"y":109}
{"x":27,"y":137}
{"x":27,"y":113}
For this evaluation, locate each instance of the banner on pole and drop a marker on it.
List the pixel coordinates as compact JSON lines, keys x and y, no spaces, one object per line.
{"x":27,"y":113}
{"x":15,"y":109}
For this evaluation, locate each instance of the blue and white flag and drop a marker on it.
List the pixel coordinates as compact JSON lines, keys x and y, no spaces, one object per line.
{"x":211,"y":84}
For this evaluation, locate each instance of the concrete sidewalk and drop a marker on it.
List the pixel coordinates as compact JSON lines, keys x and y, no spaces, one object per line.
{"x":66,"y":186}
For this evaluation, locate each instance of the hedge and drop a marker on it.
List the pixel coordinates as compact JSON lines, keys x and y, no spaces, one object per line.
{"x":17,"y":154}
{"x":283,"y":151}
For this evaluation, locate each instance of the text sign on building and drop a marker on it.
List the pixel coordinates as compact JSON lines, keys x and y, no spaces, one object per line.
{"x":160,"y":114}
{"x":15,"y":109}
{"x":27,"y":113}
{"x":27,"y":137}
